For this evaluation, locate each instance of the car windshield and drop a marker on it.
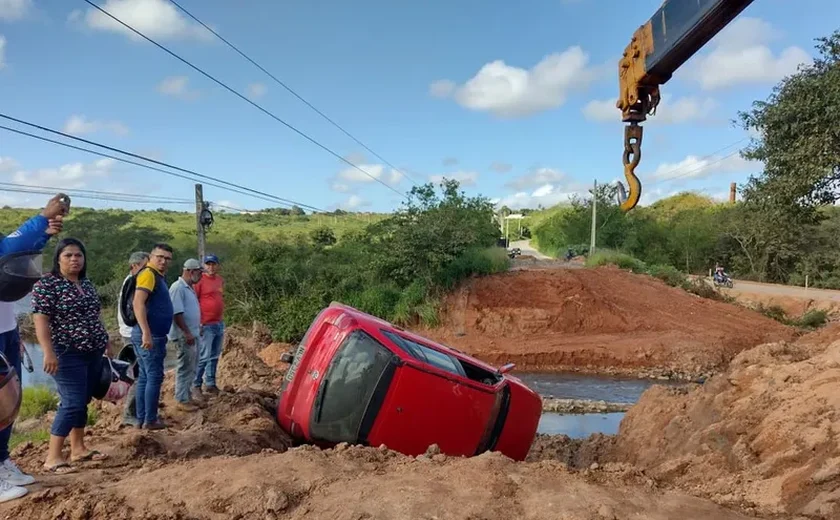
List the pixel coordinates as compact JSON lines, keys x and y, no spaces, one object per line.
{"x":347,"y":388}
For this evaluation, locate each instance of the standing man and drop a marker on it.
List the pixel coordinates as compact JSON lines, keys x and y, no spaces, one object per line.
{"x":186,"y":331}
{"x":31,"y":236}
{"x":136,"y":262}
{"x":209,"y":291}
{"x":153,"y":309}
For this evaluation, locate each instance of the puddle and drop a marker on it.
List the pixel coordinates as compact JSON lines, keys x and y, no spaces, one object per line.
{"x":579,"y":426}
{"x":39,"y":377}
{"x":579,"y":386}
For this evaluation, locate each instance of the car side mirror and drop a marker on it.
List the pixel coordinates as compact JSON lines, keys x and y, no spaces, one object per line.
{"x":504,"y":369}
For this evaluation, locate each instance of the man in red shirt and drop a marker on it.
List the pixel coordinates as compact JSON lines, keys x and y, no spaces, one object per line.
{"x":211,"y":301}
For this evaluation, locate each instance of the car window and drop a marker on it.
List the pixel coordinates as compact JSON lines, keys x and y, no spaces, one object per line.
{"x":347,"y":388}
{"x":427,"y":354}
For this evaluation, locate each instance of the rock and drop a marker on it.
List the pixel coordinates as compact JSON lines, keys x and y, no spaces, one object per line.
{"x":433,"y":449}
{"x":440,"y":457}
{"x":594,"y":466}
{"x":342,"y":446}
{"x":606,"y":512}
{"x":275,"y":501}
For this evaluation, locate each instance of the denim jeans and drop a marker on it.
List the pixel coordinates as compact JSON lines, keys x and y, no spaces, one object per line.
{"x":150,"y":377}
{"x":130,"y":405}
{"x":212,"y":339}
{"x":10,"y":347}
{"x":77,"y":374}
{"x":185,"y":371}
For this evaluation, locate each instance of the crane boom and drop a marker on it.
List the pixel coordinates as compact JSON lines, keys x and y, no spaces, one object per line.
{"x":677,"y":30}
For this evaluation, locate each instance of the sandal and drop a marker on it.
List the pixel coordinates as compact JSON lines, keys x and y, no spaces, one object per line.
{"x":92,"y":455}
{"x":62,"y":468}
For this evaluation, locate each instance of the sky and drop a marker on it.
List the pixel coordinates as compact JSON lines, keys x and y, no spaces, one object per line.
{"x":514,"y":100}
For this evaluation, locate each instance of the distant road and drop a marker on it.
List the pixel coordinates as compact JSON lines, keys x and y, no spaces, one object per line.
{"x":525,"y":247}
{"x":772,"y":289}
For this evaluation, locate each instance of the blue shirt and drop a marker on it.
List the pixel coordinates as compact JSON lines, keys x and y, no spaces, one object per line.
{"x":184,"y":301}
{"x":158,"y":304}
{"x":30,"y":236}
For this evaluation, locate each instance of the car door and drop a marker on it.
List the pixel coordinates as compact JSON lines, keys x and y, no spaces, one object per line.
{"x":430,"y":402}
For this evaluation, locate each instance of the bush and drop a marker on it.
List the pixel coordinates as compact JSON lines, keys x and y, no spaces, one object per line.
{"x":813,"y":319}
{"x":668,"y":274}
{"x":622,"y":260}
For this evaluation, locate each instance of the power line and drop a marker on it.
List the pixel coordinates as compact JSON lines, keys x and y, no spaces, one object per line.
{"x":84,"y":196}
{"x":665,"y":177}
{"x":78,"y":192}
{"x":237,"y":94}
{"x":253,"y":193}
{"x":290,"y":90}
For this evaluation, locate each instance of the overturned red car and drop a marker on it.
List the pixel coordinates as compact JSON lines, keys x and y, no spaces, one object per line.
{"x":355,"y":378}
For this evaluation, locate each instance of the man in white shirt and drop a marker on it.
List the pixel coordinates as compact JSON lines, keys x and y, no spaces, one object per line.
{"x":136,"y":262}
{"x":186,"y":332}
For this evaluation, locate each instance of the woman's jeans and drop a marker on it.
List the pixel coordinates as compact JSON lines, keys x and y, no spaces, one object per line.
{"x":212,"y":338}
{"x":10,"y":347}
{"x":77,"y":374}
{"x":150,"y":376}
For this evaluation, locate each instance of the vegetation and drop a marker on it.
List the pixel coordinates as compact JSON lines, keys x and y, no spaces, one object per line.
{"x":787,"y":226}
{"x":36,"y":402}
{"x":283,"y":268}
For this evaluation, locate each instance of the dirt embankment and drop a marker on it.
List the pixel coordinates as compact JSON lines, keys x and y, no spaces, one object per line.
{"x":761,"y":437}
{"x":231,"y":461}
{"x":604,"y":320}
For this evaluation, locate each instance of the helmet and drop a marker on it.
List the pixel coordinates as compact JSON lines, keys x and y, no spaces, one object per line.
{"x":18,"y":273}
{"x":114,"y":380}
{"x":10,"y":393}
{"x":128,"y":355}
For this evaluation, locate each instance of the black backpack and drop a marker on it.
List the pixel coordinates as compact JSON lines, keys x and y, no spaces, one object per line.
{"x":127,"y":300}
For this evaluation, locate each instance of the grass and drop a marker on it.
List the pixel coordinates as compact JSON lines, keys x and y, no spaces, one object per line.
{"x":810,"y":320}
{"x":36,"y":403}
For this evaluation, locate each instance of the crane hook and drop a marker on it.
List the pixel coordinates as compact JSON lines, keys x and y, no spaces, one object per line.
{"x":632,"y":156}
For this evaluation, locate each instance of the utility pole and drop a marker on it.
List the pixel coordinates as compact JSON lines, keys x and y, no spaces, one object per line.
{"x":594,"y":216}
{"x":200,"y":207}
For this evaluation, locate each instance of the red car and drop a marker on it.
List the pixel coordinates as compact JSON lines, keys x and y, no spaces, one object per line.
{"x":355,"y":378}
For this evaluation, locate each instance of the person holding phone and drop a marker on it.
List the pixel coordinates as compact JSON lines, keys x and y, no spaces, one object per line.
{"x":32,"y":235}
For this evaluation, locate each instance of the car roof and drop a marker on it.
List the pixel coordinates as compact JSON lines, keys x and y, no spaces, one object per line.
{"x":372,"y":321}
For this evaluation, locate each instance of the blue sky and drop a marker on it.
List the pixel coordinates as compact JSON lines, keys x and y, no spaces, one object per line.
{"x":514,"y":100}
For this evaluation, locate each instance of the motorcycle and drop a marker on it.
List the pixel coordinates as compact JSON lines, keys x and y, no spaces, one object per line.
{"x":513,"y":253}
{"x":722,"y":280}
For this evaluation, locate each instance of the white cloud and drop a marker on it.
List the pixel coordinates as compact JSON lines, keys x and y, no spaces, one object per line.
{"x":341,"y":187}
{"x":501,"y":167}
{"x":8,"y":164}
{"x":2,"y":51}
{"x":177,"y":86}
{"x":547,"y":195}
{"x":157,"y":19}
{"x":256,"y":90}
{"x":371,"y":173}
{"x":509,"y":91}
{"x":79,"y":125}
{"x":354,"y":202}
{"x":67,"y":176}
{"x":463,"y":177}
{"x":11,"y":10}
{"x":538,"y":177}
{"x":670,"y":110}
{"x":693,"y":167}
{"x":741,"y":55}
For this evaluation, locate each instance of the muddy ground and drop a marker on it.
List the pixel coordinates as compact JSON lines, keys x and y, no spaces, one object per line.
{"x":758,"y":440}
{"x":601,"y":320}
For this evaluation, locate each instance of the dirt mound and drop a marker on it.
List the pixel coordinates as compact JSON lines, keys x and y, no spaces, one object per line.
{"x":358,"y":483}
{"x":762,"y":435}
{"x":596,"y":319}
{"x":250,"y":361}
{"x":574,"y":453}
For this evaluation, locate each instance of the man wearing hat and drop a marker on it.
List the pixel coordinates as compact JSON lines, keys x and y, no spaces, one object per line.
{"x":186,"y":331}
{"x":209,"y":292}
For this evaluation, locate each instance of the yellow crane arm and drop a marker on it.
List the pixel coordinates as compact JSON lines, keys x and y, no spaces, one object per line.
{"x":658,"y":48}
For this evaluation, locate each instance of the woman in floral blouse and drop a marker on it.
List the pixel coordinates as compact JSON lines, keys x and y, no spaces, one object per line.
{"x":69,"y":328}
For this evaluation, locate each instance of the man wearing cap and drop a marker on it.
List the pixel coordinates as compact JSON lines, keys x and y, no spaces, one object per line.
{"x":209,"y":292}
{"x":136,"y":262}
{"x":186,"y":331}
{"x":32,"y":235}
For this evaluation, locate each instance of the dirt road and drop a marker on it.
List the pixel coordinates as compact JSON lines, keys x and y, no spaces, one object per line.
{"x":794,"y":300}
{"x":528,"y":250}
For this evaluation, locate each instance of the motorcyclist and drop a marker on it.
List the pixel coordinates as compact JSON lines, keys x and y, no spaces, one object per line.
{"x":720,"y":275}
